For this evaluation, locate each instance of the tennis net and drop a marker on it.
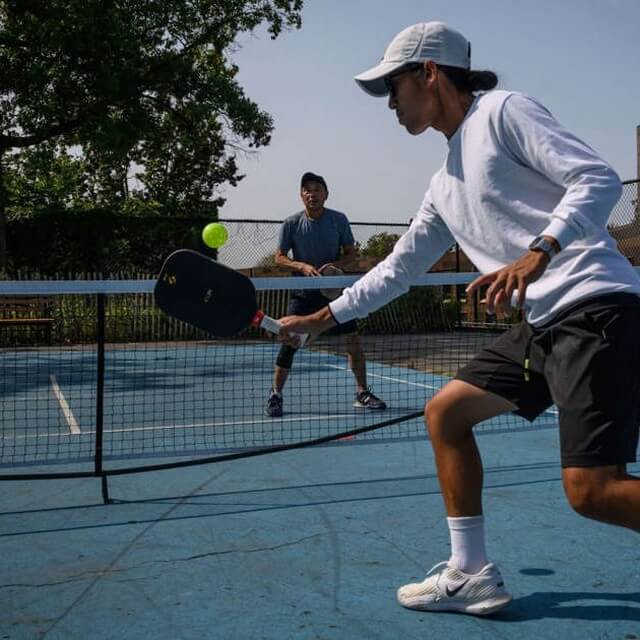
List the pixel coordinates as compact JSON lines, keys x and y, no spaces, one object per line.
{"x":95,"y":377}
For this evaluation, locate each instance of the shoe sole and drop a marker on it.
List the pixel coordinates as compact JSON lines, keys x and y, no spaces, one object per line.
{"x":359,"y":405}
{"x":483,"y":608}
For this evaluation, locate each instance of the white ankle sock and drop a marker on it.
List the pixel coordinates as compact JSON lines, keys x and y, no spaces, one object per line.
{"x":467,"y":543}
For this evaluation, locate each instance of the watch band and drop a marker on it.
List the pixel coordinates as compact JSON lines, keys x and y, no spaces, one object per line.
{"x":542,"y":244}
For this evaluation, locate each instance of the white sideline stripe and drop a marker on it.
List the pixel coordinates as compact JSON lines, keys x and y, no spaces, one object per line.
{"x":414,"y":384}
{"x":377,"y":375}
{"x":64,"y":406}
{"x":178,"y":427}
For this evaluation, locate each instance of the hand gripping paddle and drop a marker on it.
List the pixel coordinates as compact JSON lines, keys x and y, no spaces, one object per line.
{"x":210,"y":296}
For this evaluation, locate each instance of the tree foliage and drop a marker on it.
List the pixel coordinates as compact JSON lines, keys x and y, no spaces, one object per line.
{"x":106,"y":87}
{"x":379,"y":245}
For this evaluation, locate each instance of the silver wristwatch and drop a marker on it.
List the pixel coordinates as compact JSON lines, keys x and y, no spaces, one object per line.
{"x":542,"y":244}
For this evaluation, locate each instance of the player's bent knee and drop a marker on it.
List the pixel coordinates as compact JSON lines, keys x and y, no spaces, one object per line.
{"x":432,"y":417}
{"x":441,"y":417}
{"x":453,"y":412}
{"x":285,"y":356}
{"x":584,"y":502}
{"x":586,"y":493}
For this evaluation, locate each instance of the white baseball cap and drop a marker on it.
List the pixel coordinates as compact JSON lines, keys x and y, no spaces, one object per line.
{"x":417,"y":43}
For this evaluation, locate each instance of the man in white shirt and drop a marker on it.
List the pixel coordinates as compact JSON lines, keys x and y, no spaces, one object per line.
{"x":528,"y":202}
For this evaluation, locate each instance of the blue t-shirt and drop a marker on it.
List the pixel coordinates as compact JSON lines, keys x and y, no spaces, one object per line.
{"x":318,"y":241}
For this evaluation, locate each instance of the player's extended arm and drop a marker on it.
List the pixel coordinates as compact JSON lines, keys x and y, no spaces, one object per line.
{"x":312,"y":325}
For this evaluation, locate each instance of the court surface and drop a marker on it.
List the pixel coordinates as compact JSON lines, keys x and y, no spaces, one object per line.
{"x":307,"y":544}
{"x":198,"y":400}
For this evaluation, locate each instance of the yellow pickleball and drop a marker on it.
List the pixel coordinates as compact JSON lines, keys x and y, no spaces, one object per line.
{"x":214,"y":235}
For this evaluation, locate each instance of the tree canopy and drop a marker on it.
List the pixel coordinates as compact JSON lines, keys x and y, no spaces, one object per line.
{"x":95,"y":89}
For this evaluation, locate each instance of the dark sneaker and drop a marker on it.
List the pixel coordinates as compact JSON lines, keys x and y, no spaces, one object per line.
{"x":274,"y":405}
{"x":366,"y":400}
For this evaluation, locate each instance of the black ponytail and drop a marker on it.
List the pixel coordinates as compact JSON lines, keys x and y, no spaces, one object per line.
{"x":470,"y":81}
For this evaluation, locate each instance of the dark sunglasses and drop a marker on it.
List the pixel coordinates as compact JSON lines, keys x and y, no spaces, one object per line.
{"x":407,"y":69}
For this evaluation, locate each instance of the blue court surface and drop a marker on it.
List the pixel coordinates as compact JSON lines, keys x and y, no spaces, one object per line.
{"x":308,"y":544}
{"x":194,"y":400}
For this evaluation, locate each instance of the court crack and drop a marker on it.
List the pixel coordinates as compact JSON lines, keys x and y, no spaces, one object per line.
{"x":92,"y":575}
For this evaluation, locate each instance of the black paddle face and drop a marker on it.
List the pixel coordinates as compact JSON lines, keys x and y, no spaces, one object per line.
{"x":205,"y":294}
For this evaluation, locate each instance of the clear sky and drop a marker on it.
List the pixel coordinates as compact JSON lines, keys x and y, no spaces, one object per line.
{"x":581,"y":58}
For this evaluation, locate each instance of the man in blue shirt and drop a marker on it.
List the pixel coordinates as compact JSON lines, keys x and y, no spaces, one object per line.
{"x":317,"y":239}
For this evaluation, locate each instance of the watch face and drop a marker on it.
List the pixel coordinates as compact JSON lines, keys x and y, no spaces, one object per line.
{"x":542,"y":244}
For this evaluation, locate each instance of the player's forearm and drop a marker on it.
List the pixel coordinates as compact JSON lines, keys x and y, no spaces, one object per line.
{"x":313,"y":324}
{"x":323,"y":319}
{"x":285,"y":261}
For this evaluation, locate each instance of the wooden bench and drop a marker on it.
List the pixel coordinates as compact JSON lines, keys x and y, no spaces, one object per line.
{"x":19,"y":311}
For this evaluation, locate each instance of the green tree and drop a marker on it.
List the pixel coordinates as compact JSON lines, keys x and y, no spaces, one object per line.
{"x":131,"y":84}
{"x":44,"y":177}
{"x":379,"y":245}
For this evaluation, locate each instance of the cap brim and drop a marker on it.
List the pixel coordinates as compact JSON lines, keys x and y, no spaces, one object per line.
{"x":373,"y":82}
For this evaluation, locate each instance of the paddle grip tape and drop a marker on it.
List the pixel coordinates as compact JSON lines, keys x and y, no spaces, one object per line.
{"x":273,"y":326}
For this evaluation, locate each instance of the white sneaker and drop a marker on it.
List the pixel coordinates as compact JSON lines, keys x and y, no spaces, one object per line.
{"x":448,"y":589}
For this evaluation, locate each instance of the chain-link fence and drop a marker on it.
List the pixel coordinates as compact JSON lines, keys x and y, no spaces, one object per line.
{"x":624,"y":223}
{"x":252,"y":243}
{"x":104,"y":245}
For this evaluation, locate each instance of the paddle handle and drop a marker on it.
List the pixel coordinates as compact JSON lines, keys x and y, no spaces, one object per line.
{"x":273,"y":326}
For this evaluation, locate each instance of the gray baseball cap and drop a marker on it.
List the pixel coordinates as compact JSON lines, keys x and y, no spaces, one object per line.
{"x":418,"y":43}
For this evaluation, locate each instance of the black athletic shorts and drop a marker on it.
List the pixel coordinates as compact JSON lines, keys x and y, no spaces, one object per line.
{"x":303,"y":303}
{"x":587,"y":363}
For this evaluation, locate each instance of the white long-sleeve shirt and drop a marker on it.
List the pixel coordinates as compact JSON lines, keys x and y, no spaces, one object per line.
{"x":512,"y":173}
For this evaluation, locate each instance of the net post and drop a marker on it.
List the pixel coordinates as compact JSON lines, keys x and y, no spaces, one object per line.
{"x":100,"y":395}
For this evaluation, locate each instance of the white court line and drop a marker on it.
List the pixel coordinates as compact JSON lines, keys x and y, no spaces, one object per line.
{"x":413,"y":384}
{"x":376,"y":375}
{"x":64,"y":406}
{"x":178,"y":427}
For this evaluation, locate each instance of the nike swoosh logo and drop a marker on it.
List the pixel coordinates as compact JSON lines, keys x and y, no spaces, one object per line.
{"x":452,"y":592}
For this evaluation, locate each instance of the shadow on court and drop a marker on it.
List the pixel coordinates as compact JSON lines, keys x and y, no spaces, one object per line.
{"x":573,"y":606}
{"x":228,"y":503}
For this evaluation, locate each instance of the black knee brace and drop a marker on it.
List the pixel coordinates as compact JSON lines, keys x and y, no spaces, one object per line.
{"x":285,"y":356}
